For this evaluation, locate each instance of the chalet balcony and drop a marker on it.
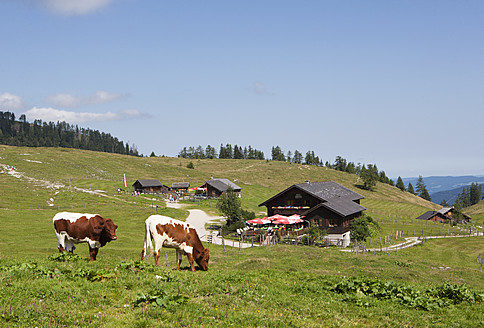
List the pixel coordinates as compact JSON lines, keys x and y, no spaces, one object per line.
{"x":289,"y":210}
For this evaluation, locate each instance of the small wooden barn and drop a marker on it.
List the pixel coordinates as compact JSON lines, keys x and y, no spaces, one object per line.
{"x":180,"y":186}
{"x":445,"y":214}
{"x":150,"y":186}
{"x":216,"y":187}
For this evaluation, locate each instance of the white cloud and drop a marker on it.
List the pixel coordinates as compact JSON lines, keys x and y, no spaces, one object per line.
{"x":10,"y":102}
{"x":75,"y":7}
{"x":54,"y":115}
{"x":260,"y":89}
{"x":71,"y":101}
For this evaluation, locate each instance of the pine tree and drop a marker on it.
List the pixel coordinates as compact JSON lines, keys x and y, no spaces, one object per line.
{"x":410,"y":189}
{"x":297,"y":157}
{"x":475,"y":193}
{"x":422,"y":189}
{"x":340,"y":164}
{"x":400,"y":184}
{"x":369,"y":176}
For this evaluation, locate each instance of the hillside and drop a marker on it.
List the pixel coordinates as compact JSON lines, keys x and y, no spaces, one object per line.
{"x":259,"y":179}
{"x":476,"y":212}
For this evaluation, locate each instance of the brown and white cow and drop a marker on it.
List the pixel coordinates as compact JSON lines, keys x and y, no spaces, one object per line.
{"x":171,"y":233}
{"x":75,"y":228}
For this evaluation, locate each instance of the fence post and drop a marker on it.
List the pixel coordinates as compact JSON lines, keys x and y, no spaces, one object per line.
{"x":166,"y":255}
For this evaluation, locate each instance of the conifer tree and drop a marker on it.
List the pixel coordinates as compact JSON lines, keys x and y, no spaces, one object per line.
{"x":400,"y":185}
{"x":422,"y":191}
{"x":410,"y":188}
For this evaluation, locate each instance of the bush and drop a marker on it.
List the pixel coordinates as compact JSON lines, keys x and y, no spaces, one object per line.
{"x":363,"y":227}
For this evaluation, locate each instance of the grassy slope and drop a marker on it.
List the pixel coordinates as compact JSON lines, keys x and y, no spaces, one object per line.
{"x":280,"y":286}
{"x":259,"y":179}
{"x":476,"y":212}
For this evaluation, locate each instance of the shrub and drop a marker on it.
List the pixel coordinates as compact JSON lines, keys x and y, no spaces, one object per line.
{"x":363,"y":227}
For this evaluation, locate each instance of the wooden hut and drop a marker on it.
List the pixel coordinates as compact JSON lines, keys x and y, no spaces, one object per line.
{"x":180,"y":186}
{"x":445,"y":215}
{"x":150,"y":186}
{"x":216,"y":187}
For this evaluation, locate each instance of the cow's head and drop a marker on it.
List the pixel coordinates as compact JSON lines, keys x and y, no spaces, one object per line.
{"x":202,"y":259}
{"x":104,"y":228}
{"x":110,"y":230}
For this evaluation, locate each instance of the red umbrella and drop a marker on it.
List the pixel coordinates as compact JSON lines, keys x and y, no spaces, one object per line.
{"x":293,"y":219}
{"x":282,"y":221}
{"x":258,"y":221}
{"x":277,"y":217}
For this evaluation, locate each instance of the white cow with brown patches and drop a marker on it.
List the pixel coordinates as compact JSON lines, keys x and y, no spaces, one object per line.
{"x":171,"y":233}
{"x":74,"y":228}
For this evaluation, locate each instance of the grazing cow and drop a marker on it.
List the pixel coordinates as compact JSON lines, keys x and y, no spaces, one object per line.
{"x":74,"y":228}
{"x":172,"y":233}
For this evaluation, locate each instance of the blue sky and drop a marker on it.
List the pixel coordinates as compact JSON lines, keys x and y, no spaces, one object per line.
{"x":396,"y":83}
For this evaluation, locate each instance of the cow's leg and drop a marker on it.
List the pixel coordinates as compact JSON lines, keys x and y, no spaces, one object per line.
{"x":93,"y":253}
{"x":190,"y":259}
{"x":179,"y":255}
{"x":157,"y":257}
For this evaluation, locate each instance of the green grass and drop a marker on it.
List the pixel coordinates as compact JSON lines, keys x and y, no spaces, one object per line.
{"x":277,"y":286}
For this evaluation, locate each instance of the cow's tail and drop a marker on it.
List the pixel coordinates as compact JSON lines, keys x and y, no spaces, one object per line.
{"x":147,"y":243}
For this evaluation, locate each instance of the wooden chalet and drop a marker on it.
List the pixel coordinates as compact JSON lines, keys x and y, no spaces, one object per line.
{"x":180,"y":186}
{"x":150,"y":186}
{"x":328,"y":205}
{"x":216,"y":187}
{"x":444,"y":215}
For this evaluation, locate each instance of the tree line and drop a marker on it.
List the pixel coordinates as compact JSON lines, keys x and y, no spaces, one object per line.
{"x":225,"y":152}
{"x":61,"y":134}
{"x":469,"y":196}
{"x":369,"y":173}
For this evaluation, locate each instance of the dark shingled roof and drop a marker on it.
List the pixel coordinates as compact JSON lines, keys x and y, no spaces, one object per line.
{"x":427,"y":215}
{"x":328,"y":190}
{"x":343,"y":207}
{"x":222,"y":184}
{"x":149,"y":183}
{"x":325,"y":191}
{"x":180,"y":185}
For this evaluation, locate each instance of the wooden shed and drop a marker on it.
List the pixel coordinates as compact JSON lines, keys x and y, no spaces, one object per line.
{"x":216,"y":187}
{"x":444,"y":215}
{"x":180,"y":186}
{"x":150,"y":186}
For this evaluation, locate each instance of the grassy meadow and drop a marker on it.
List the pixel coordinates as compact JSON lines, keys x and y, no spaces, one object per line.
{"x":438,"y":284}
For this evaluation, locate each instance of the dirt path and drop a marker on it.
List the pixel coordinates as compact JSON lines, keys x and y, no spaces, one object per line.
{"x":199,"y":219}
{"x":55,"y":186}
{"x":410,"y":242}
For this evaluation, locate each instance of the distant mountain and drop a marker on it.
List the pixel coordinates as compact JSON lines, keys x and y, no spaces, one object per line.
{"x":437,"y":184}
{"x":449,"y":195}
